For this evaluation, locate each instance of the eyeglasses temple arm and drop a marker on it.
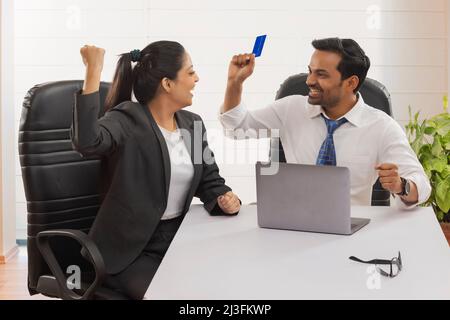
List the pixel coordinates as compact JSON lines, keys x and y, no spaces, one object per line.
{"x":374,"y":261}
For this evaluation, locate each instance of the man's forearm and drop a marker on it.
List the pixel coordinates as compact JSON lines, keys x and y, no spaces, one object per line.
{"x":233,"y":95}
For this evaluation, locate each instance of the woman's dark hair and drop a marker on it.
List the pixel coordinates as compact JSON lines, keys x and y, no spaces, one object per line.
{"x":161,"y":59}
{"x":354,"y":61}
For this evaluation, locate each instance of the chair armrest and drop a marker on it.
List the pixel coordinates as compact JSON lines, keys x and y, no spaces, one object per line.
{"x":92,"y":252}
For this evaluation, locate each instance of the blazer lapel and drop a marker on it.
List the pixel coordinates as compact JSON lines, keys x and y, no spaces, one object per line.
{"x":164,"y":150}
{"x":189,"y":137}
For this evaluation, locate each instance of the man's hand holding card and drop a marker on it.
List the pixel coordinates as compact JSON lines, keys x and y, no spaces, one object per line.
{"x":242,"y":65}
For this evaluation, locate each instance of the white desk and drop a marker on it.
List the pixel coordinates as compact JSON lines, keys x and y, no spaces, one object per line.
{"x":232,"y":258}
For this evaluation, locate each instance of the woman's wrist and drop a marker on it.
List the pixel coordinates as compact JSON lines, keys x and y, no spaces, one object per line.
{"x":92,"y":80}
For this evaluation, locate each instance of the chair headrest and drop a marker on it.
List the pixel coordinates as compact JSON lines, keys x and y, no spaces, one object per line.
{"x":47,"y":105}
{"x":373,"y":92}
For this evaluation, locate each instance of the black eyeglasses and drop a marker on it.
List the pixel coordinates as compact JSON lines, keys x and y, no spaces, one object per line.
{"x":395,"y":265}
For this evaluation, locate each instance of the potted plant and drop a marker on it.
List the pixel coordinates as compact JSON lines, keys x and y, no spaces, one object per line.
{"x":430,"y":140}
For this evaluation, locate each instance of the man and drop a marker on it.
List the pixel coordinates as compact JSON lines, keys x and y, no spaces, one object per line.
{"x":333,"y":125}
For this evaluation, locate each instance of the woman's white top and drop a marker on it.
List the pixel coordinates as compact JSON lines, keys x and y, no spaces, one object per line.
{"x":182,"y":172}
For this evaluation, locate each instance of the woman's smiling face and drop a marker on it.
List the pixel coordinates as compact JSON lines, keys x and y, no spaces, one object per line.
{"x":183,"y":85}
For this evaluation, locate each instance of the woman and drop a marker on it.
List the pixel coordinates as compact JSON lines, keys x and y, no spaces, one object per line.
{"x":154,"y":156}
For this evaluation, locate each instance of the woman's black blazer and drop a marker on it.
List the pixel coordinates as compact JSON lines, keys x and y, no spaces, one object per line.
{"x":136,"y":173}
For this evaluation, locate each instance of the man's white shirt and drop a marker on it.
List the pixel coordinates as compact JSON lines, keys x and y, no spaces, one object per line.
{"x":370,"y":137}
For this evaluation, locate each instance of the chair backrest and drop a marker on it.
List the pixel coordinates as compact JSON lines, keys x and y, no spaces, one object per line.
{"x":374,"y":94}
{"x":61,"y":187}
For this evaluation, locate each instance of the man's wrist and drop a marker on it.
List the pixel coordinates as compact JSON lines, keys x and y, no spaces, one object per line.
{"x":412,"y":197}
{"x":405,"y":188}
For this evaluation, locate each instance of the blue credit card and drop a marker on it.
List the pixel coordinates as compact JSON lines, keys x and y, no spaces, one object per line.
{"x":259,"y":45}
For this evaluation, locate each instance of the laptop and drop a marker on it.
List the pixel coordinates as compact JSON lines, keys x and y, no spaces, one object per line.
{"x":306,"y":198}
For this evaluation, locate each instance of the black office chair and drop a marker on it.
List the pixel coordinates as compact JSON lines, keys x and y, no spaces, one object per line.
{"x":63,"y":196}
{"x":373,"y":93}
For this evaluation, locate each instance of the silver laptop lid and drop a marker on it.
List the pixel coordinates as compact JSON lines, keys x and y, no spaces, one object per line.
{"x":305,"y":198}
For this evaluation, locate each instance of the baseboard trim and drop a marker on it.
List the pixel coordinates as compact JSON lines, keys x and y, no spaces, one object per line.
{"x":9,"y":255}
{"x":21,"y":242}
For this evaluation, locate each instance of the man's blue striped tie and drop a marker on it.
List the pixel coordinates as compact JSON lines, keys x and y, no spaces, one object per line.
{"x":327,"y":153}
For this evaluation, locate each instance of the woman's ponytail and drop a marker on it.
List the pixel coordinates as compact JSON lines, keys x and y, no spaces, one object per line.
{"x":122,"y":85}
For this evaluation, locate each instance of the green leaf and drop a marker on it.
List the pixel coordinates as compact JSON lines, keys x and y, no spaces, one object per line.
{"x":444,"y":115}
{"x":444,"y":174}
{"x":425,"y":151}
{"x":437,"y":149}
{"x":431,"y":123}
{"x":419,"y":139}
{"x":441,"y":121}
{"x":438,"y":165}
{"x":426,"y":158}
{"x":438,"y":179}
{"x":416,"y":117}
{"x":430,"y":130}
{"x":446,"y":138}
{"x":443,"y":195}
{"x":439,"y":215}
{"x":443,"y":127}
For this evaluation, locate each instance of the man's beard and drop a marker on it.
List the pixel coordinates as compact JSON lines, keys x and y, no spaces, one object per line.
{"x":324,"y":102}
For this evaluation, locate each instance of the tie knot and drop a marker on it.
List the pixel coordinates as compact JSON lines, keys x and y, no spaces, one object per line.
{"x":332,"y":125}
